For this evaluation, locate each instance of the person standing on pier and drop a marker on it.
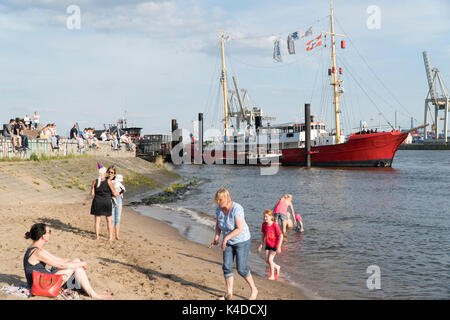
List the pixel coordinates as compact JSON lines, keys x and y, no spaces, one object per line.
{"x":35,"y":120}
{"x":230,"y":221}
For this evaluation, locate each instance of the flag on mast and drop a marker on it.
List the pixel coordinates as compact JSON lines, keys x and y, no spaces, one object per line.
{"x":290,"y":44}
{"x":297,"y":34}
{"x":308,"y":32}
{"x":314,"y":43}
{"x":276,"y":51}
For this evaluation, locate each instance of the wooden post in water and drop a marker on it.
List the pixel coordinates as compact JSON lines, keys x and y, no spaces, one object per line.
{"x":199,"y":158}
{"x":308,"y":134}
{"x":174,"y":128}
{"x":180,"y":138}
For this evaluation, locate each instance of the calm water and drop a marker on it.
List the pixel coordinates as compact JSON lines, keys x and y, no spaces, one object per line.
{"x":394,"y":218}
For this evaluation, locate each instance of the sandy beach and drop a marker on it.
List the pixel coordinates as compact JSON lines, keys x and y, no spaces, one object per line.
{"x":151,"y":261}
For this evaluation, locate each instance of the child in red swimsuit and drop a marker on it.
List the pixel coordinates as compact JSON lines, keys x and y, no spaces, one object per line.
{"x":274,"y":238}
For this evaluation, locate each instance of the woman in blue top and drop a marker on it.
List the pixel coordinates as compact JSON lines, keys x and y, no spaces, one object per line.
{"x":236,"y":241}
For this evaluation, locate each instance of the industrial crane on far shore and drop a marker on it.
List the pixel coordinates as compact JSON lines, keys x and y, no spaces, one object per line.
{"x":440,"y":102}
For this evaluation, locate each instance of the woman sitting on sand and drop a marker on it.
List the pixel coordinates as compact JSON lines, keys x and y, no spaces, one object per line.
{"x":103,"y":190}
{"x":236,"y":241}
{"x":36,"y":258}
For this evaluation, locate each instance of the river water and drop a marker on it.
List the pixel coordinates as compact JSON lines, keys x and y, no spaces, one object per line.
{"x":392,"y":220}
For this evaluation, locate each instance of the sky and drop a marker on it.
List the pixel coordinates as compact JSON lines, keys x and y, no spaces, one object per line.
{"x":153,"y":61}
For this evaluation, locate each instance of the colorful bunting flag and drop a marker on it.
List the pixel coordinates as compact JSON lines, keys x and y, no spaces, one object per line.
{"x":276,"y":51}
{"x":314,"y":43}
{"x":290,"y":45}
{"x":296,"y":35}
{"x":308,"y":32}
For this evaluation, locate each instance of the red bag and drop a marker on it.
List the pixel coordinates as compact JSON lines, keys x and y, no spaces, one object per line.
{"x":46,"y":284}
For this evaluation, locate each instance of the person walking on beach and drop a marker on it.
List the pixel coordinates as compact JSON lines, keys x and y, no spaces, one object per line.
{"x":36,"y":257}
{"x":274,"y":238}
{"x":281,"y":212}
{"x":103,"y":190}
{"x":230,"y":221}
{"x":117,"y":201}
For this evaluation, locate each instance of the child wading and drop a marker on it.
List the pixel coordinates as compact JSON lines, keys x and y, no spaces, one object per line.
{"x":298,"y":222}
{"x":274,"y":238}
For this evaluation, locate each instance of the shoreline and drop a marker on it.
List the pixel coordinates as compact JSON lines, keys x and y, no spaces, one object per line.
{"x":191,"y":230}
{"x":144,"y":265}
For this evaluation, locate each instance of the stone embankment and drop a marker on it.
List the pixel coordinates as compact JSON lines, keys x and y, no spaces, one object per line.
{"x":42,"y":148}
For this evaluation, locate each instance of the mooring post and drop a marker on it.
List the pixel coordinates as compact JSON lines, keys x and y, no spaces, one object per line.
{"x":308,"y":134}
{"x":199,"y":153}
{"x":175,"y":133}
{"x":174,"y":129}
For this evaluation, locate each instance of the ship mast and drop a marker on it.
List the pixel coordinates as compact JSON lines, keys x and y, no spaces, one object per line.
{"x":223,"y":80}
{"x":335,"y":83}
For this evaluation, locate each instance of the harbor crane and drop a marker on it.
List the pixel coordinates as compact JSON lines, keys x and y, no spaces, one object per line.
{"x":439,"y":101}
{"x":244,"y":114}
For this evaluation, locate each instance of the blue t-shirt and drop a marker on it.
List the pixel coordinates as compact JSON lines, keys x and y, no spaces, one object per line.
{"x":227,"y":223}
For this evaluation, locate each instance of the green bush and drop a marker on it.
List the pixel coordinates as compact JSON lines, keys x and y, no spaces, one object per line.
{"x":34,"y":157}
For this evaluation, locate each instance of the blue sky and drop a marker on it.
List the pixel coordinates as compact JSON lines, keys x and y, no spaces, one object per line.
{"x":157,"y":60}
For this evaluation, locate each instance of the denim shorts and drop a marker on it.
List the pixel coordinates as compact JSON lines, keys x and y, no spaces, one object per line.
{"x":279,"y":216}
{"x":240,"y":252}
{"x":117,"y":211}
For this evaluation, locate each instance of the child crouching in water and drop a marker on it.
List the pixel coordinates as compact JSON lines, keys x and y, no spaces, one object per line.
{"x":274,"y":238}
{"x":299,"y":223}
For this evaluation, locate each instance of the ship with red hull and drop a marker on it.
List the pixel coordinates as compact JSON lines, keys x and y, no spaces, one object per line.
{"x":361,"y":150}
{"x":286,"y":143}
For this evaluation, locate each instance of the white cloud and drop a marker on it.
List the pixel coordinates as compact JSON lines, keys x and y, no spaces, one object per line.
{"x":153,"y":9}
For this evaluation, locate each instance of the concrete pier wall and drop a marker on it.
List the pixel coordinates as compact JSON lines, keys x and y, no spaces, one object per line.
{"x":43,"y":147}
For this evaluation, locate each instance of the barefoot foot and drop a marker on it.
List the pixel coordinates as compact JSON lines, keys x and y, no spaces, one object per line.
{"x":254,"y":294}
{"x":228,"y":296}
{"x":102,"y":296}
